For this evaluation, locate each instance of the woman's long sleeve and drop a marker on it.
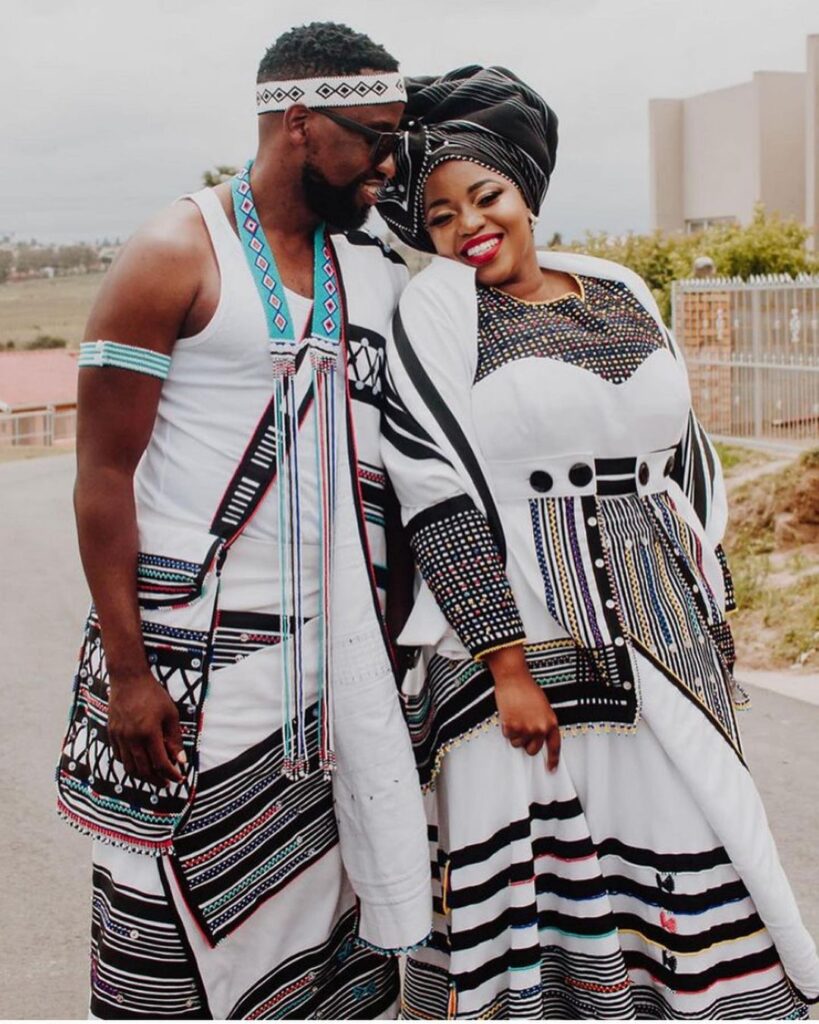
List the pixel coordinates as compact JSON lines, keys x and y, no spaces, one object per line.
{"x":429,"y":449}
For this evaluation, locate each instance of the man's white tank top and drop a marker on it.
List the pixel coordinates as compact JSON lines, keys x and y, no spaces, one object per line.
{"x":220,"y":383}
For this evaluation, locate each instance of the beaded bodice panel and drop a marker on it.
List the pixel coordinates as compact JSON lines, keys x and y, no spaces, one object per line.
{"x":606,"y":330}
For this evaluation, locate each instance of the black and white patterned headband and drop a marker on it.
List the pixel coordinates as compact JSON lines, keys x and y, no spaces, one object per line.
{"x":329,"y":91}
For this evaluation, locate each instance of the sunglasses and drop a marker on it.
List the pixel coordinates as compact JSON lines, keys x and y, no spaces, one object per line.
{"x":384,"y":144}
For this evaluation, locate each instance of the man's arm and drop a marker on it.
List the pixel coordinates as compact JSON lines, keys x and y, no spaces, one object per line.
{"x":145,"y":301}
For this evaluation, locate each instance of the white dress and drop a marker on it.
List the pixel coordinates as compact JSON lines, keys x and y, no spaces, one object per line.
{"x":558,"y":490}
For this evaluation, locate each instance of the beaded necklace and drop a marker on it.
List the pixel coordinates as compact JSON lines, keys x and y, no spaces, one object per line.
{"x":324,"y":342}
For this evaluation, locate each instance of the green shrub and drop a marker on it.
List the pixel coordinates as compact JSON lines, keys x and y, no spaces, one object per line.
{"x":770,"y":244}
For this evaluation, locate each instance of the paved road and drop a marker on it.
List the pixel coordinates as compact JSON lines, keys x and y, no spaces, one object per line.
{"x":44,"y":865}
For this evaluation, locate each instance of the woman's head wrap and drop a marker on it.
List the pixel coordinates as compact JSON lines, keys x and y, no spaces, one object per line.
{"x":484,"y":115}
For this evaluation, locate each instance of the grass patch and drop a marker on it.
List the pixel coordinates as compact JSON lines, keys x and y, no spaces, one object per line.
{"x":56,"y":307}
{"x":775,"y":519}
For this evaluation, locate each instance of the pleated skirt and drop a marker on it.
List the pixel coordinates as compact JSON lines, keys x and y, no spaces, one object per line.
{"x":639,"y":880}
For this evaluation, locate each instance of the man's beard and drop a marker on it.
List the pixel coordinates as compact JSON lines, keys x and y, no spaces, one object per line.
{"x":339,"y":206}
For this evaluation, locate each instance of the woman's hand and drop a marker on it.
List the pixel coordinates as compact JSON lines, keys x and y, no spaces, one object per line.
{"x":526,"y":716}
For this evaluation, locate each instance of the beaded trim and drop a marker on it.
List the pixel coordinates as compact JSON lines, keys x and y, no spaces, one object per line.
{"x":124,"y":357}
{"x":394,"y":951}
{"x":331,"y":91}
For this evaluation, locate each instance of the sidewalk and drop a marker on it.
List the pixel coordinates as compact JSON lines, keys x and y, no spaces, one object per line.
{"x":45,"y":865}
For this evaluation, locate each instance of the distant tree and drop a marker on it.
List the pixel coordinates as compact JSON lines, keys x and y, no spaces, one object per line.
{"x":218,"y":174}
{"x":34,"y":257}
{"x":46,"y":341}
{"x":68,"y":257}
{"x":6,"y":263}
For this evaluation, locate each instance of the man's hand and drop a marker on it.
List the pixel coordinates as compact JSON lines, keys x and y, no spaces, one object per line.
{"x":527,"y":718}
{"x":143,"y":729}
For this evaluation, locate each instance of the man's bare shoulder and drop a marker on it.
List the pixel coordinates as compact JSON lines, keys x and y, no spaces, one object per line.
{"x":151,"y":287}
{"x":176,"y":235}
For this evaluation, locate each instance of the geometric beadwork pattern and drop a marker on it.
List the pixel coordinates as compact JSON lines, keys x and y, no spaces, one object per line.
{"x":95,"y":791}
{"x":458,"y":557}
{"x":365,"y":363}
{"x":250,"y":831}
{"x":335,"y":91}
{"x":605,"y":331}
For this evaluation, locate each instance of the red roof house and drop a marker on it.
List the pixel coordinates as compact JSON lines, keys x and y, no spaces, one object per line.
{"x":38,"y":380}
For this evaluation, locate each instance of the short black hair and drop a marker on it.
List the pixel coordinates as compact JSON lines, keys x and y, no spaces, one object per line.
{"x":322,"y":48}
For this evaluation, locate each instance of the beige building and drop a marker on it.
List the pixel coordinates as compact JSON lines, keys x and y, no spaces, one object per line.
{"x":715,"y":155}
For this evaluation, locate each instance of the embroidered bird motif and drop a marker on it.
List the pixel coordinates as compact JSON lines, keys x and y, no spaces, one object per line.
{"x":668,"y":922}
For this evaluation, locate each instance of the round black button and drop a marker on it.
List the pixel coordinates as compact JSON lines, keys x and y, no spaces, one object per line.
{"x":642,"y":473}
{"x":541,"y":481}
{"x":580,"y":474}
{"x":669,"y":466}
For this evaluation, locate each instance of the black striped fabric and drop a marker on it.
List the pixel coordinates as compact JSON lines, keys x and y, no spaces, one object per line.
{"x":594,"y":930}
{"x":240,"y":634}
{"x":338,"y":980}
{"x":140,"y":963}
{"x":457,"y":699}
{"x":250,"y":832}
{"x":667,"y":604}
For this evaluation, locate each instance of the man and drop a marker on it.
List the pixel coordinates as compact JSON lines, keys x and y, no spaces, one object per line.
{"x":229,"y":503}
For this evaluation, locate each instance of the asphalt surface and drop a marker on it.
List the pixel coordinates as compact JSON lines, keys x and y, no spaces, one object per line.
{"x":44,"y":865}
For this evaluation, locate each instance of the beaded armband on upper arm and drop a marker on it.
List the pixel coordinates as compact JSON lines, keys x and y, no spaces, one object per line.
{"x":124,"y":357}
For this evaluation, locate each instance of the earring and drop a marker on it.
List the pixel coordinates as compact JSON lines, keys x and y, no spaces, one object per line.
{"x":532,"y":220}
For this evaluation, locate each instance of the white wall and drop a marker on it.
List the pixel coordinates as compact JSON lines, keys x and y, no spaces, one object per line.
{"x":665,"y":119}
{"x":721,"y":153}
{"x":781,"y":112}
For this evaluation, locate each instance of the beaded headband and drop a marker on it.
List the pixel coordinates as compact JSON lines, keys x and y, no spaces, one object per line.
{"x":325,"y":91}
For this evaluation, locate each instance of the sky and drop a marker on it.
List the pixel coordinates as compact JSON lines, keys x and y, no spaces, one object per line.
{"x":110,"y":109}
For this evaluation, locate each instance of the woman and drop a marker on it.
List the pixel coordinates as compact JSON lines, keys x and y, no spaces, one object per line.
{"x":565,"y":511}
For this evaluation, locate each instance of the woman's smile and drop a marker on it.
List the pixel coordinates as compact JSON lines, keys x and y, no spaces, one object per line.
{"x":483,"y":249}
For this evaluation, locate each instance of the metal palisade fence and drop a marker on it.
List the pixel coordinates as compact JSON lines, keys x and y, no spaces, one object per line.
{"x":752,"y":351}
{"x":39,"y":427}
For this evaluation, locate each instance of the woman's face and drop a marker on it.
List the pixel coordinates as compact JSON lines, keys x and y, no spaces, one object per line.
{"x":475,"y":216}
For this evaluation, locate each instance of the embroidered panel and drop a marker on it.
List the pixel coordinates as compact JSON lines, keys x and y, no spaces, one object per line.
{"x":607,"y":331}
{"x":250,"y":831}
{"x":580,"y":596}
{"x":338,"y":980}
{"x":457,"y":700}
{"x":666,"y":604}
{"x":95,"y":791}
{"x":240,"y":634}
{"x":140,"y":964}
{"x":366,"y":351}
{"x":457,"y":556}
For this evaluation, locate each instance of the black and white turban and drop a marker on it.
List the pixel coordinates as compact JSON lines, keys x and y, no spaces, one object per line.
{"x":484,"y":115}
